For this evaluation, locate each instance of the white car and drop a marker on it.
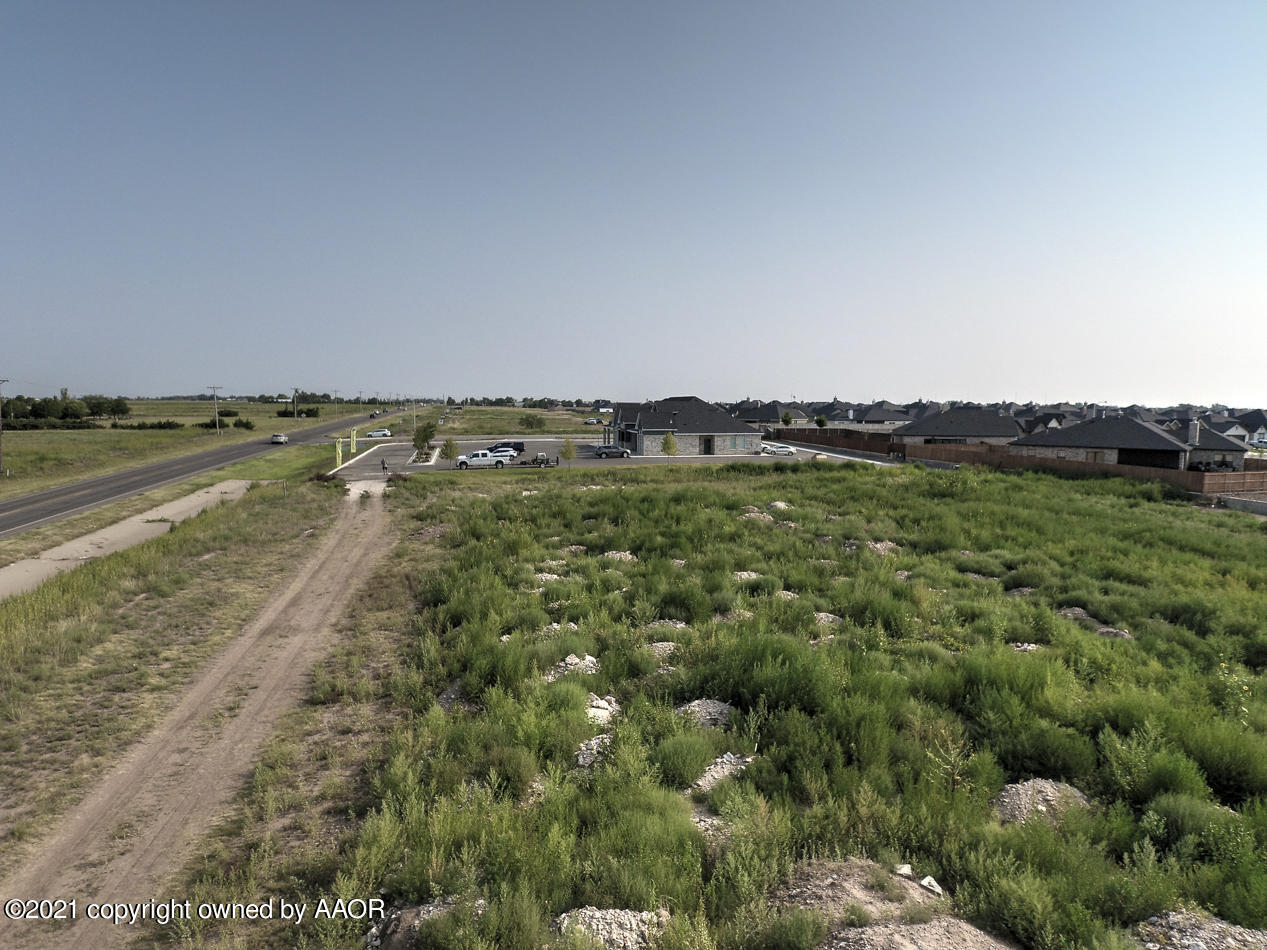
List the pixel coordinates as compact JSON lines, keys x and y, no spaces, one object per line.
{"x":279,"y":438}
{"x":775,"y":448}
{"x":506,"y":453}
{"x":379,"y":434}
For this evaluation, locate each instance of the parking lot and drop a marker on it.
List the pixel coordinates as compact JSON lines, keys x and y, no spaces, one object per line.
{"x":368,"y":462}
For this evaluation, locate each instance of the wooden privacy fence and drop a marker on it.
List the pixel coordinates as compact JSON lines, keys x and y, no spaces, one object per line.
{"x":1254,"y":478}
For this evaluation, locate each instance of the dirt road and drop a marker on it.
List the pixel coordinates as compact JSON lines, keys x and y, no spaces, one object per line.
{"x":132,"y":831}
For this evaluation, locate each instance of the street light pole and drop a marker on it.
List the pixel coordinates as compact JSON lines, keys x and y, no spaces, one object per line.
{"x":2,"y":382}
{"x":215,"y":401}
{"x":295,"y":397}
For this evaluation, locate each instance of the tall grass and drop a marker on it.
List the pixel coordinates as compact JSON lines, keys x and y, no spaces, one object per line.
{"x":890,"y":738}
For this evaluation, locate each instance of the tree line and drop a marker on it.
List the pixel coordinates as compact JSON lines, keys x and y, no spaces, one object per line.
{"x":54,"y":408}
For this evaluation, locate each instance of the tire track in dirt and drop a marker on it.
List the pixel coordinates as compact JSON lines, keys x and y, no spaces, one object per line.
{"x":133,"y":829}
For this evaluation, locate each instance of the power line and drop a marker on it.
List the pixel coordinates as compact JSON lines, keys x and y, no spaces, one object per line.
{"x":2,"y":382}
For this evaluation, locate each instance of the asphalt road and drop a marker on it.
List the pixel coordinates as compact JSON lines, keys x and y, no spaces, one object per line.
{"x":30,"y":511}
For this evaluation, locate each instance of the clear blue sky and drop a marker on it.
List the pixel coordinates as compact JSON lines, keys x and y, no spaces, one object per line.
{"x":983,"y":200}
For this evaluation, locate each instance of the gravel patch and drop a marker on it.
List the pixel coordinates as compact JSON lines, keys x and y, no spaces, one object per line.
{"x":723,"y":767}
{"x":756,"y":516}
{"x":602,"y":709}
{"x":620,"y":556}
{"x":1038,"y":797}
{"x":572,"y":664}
{"x":746,"y":575}
{"x":711,"y":713}
{"x":616,"y":929}
{"x":591,"y":750}
{"x":1178,"y":928}
{"x":1081,"y":616}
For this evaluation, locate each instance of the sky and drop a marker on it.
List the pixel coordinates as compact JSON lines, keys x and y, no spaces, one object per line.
{"x":902,"y":200}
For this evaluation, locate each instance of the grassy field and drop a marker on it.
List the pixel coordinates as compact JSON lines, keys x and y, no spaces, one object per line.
{"x":93,"y":657}
{"x":294,"y":462}
{"x":505,"y":420}
{"x":885,"y":734}
{"x":39,"y":459}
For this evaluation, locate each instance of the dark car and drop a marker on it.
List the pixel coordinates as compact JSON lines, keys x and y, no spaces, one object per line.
{"x":615,"y":451}
{"x":517,"y":446}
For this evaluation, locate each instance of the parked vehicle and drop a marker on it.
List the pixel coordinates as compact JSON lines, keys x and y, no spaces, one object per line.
{"x":279,"y":438}
{"x":506,"y":453}
{"x":481,"y":459}
{"x":610,"y":451}
{"x":379,"y":434}
{"x":541,"y":460}
{"x":517,"y":446}
{"x":592,"y":422}
{"x":775,"y":448}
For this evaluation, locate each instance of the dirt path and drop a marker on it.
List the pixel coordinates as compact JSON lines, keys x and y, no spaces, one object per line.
{"x":132,"y":831}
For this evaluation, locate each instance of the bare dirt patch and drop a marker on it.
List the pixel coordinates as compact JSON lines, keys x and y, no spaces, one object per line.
{"x":131,"y":832}
{"x":838,"y":889}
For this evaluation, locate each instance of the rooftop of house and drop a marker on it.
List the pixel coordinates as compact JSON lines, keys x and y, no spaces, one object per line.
{"x":681,"y":414}
{"x":964,"y":423}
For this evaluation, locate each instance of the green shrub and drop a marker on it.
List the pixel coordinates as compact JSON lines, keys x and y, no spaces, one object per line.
{"x":683,"y":758}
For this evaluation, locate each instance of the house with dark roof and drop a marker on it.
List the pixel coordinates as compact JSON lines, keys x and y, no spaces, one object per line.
{"x":699,"y":428}
{"x":772,"y":413}
{"x":1121,"y":440}
{"x":1255,"y":423}
{"x":960,"y":427}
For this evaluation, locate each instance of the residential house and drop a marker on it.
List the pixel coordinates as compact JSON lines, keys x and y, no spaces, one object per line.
{"x":960,"y":427}
{"x":1121,"y":440}
{"x":699,"y":428}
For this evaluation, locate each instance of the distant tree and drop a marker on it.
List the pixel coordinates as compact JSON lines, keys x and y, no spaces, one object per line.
{"x":119,"y":407}
{"x":65,"y":394}
{"x":450,"y":401}
{"x":787,"y":418}
{"x":73,"y":409}
{"x":46,"y":408}
{"x":568,"y":452}
{"x":97,"y":405}
{"x":449,"y":451}
{"x":567,"y":404}
{"x":532,"y":422}
{"x":820,"y":421}
{"x":668,"y":445}
{"x":423,"y":434}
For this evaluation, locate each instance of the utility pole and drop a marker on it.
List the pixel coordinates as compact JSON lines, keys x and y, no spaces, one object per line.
{"x":336,"y":403}
{"x":215,"y":401}
{"x":2,"y":382}
{"x":295,"y":399}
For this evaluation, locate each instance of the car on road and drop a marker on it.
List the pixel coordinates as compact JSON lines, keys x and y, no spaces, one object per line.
{"x":776,"y":448}
{"x":379,"y":434}
{"x":612,"y":451}
{"x":517,"y":446}
{"x":506,"y":453}
{"x":592,"y":422}
{"x":279,"y":438}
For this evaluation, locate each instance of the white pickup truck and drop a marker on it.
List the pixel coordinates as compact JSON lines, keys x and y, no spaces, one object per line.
{"x":481,"y":459}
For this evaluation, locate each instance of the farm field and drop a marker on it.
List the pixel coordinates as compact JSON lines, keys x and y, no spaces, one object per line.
{"x":895,"y":647}
{"x":505,"y":420}
{"x":43,"y":458}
